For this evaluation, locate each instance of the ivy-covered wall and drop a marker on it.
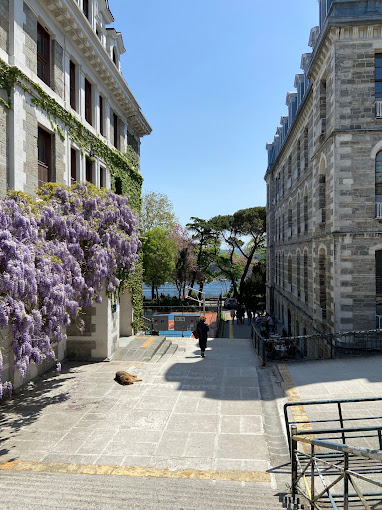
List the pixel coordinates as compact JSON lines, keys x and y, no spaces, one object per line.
{"x":124,"y":167}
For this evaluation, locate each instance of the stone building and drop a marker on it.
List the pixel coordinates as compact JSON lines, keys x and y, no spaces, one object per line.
{"x":324,"y":180}
{"x":67,"y":114}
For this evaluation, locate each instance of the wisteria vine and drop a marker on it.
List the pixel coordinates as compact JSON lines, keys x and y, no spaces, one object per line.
{"x":57,"y":253}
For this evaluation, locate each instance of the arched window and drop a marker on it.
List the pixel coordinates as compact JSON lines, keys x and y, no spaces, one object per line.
{"x":322,"y":191}
{"x":290,"y":273}
{"x":306,"y":224}
{"x":298,"y":271}
{"x":378,"y":185}
{"x":290,"y":218}
{"x":298,"y":214}
{"x":115,"y":56}
{"x":306,"y":149}
{"x":298,"y":159}
{"x":306,"y":275}
{"x":322,"y":282}
{"x":378,"y":286}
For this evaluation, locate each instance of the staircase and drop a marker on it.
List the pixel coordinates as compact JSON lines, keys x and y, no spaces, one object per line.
{"x":54,"y":491}
{"x":145,"y":349}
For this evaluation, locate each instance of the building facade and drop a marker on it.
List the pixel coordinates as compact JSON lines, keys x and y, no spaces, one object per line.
{"x":66,"y":115}
{"x":324,"y":180}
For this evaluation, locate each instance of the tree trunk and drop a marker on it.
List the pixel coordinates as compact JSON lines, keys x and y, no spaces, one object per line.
{"x":152,"y":290}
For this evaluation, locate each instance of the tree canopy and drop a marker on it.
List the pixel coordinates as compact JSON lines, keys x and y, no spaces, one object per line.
{"x":156,"y":212}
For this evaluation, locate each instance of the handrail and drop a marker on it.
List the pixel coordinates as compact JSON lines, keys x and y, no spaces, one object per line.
{"x":367,"y":453}
{"x":339,"y":419}
{"x":346,"y":474}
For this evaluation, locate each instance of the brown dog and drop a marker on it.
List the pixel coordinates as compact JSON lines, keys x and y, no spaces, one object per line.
{"x":125,"y":378}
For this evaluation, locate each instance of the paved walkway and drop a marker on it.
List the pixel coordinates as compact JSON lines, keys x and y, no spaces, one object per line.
{"x":204,"y":416}
{"x":206,"y":421}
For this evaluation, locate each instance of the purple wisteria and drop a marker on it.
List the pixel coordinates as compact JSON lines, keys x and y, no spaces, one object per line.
{"x":56,"y":255}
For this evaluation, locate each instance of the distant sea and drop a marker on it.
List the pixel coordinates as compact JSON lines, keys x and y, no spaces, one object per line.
{"x":213,"y":289}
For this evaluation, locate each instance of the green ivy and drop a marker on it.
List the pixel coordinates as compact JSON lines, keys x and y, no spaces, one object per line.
{"x":125,"y":178}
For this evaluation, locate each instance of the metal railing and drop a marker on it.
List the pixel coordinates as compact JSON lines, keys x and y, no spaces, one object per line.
{"x":322,"y":463}
{"x":332,"y":470}
{"x":318,"y":346}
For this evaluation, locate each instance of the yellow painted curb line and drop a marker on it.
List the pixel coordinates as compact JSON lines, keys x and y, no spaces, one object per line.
{"x":92,"y":469}
{"x":298,"y":412}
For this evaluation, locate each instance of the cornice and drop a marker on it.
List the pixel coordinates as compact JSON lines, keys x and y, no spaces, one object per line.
{"x":69,"y":18}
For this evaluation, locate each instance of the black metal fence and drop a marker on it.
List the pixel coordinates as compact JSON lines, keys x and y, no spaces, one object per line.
{"x":318,"y":346}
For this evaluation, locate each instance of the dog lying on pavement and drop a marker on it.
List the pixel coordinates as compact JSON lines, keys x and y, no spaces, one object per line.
{"x":125,"y":378}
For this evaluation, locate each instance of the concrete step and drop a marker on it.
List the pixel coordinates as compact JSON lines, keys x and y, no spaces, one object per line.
{"x":139,"y":349}
{"x":33,"y":490}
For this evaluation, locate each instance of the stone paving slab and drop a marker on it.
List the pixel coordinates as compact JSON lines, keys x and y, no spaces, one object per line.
{"x":187,"y":413}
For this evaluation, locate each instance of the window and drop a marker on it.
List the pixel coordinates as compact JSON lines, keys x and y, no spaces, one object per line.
{"x":322,"y":124}
{"x":298,"y":159}
{"x":290,"y":273}
{"x":322,"y":282}
{"x":115,"y":131}
{"x":43,"y":54}
{"x":102,"y":177}
{"x":306,"y":225}
{"x":378,"y":75}
{"x":290,"y":219}
{"x":44,"y":143}
{"x":378,"y":283}
{"x":298,"y":270}
{"x":378,"y":182}
{"x":298,"y":214}
{"x":290,"y":168}
{"x":115,"y":60}
{"x":306,"y":275}
{"x":88,"y":101}
{"x":306,"y":147}
{"x":73,"y":165}
{"x":101,"y":115}
{"x":72,"y":84}
{"x":85,"y":8}
{"x":89,"y":170}
{"x":322,"y":192}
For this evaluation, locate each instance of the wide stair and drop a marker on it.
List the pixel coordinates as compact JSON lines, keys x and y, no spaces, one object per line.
{"x":145,"y":349}
{"x":76,"y":492}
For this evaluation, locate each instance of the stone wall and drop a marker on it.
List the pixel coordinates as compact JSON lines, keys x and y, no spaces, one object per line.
{"x":30,"y":148}
{"x":30,"y":45}
{"x":58,"y":84}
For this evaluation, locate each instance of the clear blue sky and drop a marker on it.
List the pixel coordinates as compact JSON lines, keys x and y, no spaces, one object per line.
{"x":211,"y":77}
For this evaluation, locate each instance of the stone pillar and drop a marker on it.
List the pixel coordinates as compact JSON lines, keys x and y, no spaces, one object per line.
{"x":126,"y":315}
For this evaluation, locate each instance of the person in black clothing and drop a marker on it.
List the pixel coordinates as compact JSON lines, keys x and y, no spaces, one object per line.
{"x":202,"y":333}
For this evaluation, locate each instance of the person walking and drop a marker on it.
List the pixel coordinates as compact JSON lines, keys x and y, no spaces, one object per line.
{"x":232,"y":313}
{"x":202,"y":329}
{"x":249,"y":316}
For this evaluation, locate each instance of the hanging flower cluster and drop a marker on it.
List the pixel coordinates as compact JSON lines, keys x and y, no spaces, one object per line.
{"x":56,"y":255}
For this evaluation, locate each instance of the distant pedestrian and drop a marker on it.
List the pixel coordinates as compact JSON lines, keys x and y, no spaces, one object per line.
{"x":233,"y":313}
{"x":239,"y":314}
{"x":203,"y":329}
{"x":249,"y":316}
{"x":242,"y":313}
{"x":271,"y":324}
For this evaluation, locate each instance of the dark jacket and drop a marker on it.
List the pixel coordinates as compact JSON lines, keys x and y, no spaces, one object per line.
{"x":202,"y":330}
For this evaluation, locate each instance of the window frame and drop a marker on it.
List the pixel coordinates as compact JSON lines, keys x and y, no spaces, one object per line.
{"x":88,"y":102}
{"x":44,"y":138}
{"x":44,"y":57}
